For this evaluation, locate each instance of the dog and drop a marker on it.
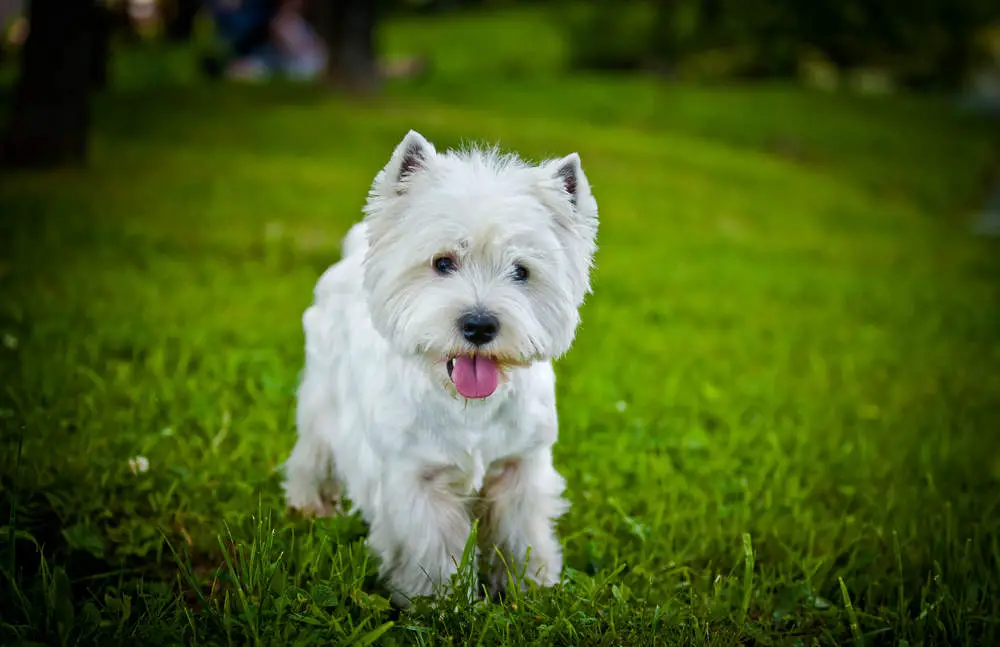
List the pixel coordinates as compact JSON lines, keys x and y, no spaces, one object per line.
{"x":428,"y":395}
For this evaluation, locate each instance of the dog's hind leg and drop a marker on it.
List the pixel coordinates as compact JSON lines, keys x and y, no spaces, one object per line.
{"x":311,"y":485}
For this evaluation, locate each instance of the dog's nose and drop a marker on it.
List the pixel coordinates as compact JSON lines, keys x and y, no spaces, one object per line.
{"x":479,"y":328}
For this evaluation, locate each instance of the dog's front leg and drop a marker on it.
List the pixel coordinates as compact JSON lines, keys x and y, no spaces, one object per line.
{"x":522,"y":504}
{"x":419,"y":532}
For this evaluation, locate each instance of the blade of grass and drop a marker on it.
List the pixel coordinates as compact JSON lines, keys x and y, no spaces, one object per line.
{"x":852,"y":615}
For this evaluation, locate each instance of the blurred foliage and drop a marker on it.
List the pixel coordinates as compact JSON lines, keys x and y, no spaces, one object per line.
{"x":920,"y":44}
{"x":928,"y":43}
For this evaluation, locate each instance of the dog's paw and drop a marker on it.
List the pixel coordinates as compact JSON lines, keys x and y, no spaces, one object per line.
{"x":307,"y":500}
{"x":401,"y":601}
{"x":319,"y":509}
{"x":498,"y":581}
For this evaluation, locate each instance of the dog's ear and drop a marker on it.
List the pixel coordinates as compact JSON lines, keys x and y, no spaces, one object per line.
{"x":565,"y":191}
{"x":410,"y":157}
{"x":568,"y":172}
{"x":567,"y":178}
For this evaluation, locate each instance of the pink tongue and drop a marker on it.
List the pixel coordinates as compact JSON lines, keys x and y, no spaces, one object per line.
{"x":475,"y":377}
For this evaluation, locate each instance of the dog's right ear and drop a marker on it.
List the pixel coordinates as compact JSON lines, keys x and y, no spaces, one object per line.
{"x":410,"y":157}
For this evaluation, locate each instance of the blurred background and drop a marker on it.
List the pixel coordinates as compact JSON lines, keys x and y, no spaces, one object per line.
{"x":867,"y":45}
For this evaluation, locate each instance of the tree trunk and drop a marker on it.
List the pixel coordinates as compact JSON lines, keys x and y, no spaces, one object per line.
{"x":348,"y":27}
{"x":180,"y":26}
{"x":50,"y":114}
{"x":100,"y":55}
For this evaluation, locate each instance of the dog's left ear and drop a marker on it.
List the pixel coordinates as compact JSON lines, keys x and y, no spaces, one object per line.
{"x":566,"y":176}
{"x":567,"y":171}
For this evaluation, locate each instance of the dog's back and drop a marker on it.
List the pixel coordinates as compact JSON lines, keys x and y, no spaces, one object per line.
{"x":356,"y":240}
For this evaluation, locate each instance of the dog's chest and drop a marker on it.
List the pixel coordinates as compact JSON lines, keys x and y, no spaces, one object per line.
{"x":468,"y":475}
{"x":477,"y":452}
{"x":469,"y":442}
{"x":469,"y":471}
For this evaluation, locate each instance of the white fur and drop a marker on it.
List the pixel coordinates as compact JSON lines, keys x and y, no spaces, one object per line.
{"x":377,"y":412}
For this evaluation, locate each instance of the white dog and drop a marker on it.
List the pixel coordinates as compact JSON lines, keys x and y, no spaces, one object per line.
{"x":428,"y":393}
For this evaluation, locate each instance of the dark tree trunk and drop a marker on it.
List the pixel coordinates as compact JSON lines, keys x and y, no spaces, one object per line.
{"x":348,"y":27}
{"x":180,"y":27}
{"x":50,"y":114}
{"x":100,"y":55}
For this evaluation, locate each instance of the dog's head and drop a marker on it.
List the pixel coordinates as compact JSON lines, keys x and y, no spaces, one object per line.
{"x":478,"y":261}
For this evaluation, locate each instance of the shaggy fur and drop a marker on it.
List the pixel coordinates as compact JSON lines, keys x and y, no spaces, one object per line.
{"x":422,"y":419}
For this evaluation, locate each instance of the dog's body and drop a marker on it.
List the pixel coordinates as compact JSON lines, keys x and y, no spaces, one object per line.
{"x":428,"y":392}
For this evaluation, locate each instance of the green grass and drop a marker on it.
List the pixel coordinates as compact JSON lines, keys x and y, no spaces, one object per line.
{"x":779,"y":420}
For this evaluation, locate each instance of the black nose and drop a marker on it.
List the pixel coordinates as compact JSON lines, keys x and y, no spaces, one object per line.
{"x":479,"y":327}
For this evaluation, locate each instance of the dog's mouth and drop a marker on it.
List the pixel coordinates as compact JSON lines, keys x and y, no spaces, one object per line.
{"x":474,"y":376}
{"x":478,"y":376}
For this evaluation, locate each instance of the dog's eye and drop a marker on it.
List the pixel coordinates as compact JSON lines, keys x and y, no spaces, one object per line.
{"x":520,"y":273}
{"x":445,"y":265}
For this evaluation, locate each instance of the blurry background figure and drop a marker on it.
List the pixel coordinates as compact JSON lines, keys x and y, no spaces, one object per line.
{"x":142,"y":11}
{"x":265,"y":38}
{"x":242,"y":26}
{"x":301,"y":51}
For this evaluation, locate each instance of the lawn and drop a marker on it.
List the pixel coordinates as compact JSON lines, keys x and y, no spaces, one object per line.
{"x":779,"y":422}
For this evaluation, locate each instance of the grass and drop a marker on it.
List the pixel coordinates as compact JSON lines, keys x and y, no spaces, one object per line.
{"x":778,"y":423}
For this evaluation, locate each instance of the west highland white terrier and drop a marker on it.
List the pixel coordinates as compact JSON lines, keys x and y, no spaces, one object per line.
{"x":428,"y":397}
